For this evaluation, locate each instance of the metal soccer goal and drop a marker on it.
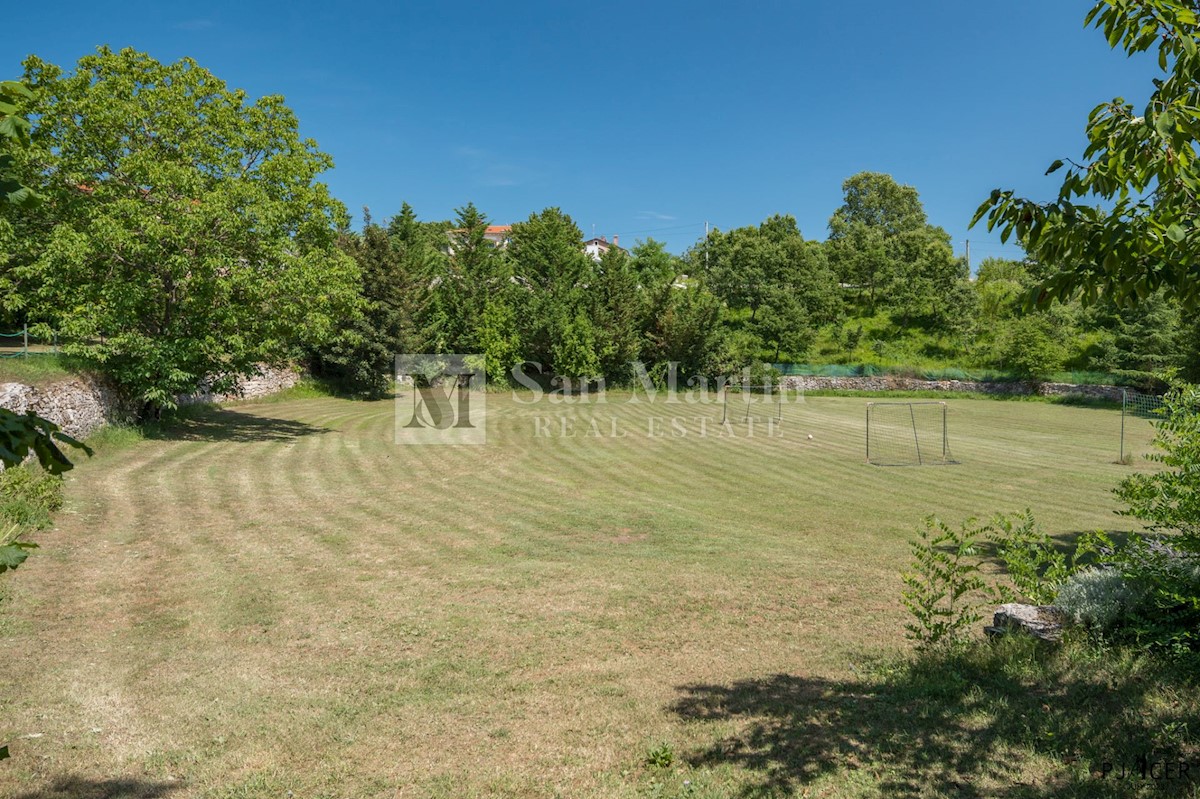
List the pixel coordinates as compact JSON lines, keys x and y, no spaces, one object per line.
{"x":907,"y":434}
{"x":1135,"y":406}
{"x":753,"y":403}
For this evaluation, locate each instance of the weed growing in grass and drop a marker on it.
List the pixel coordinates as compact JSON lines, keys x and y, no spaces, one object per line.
{"x":661,"y":756}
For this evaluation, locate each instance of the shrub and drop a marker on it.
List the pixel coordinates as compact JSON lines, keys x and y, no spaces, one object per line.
{"x":28,"y":497}
{"x":1099,"y":598}
{"x":943,"y":584}
{"x":1167,"y":564}
{"x":1031,"y":347}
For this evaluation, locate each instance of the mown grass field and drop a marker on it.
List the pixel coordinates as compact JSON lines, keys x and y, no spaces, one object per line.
{"x":275,"y":598}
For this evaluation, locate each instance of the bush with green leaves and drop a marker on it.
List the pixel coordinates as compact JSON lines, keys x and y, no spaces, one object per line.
{"x":1166,"y":562}
{"x":944,"y":585}
{"x":1035,"y":565}
{"x":1031,"y":347}
{"x":28,"y":497}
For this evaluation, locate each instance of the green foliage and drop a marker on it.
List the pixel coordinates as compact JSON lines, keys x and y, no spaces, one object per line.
{"x":655,"y":266}
{"x":28,"y":497}
{"x":784,"y":282}
{"x":13,"y":551}
{"x":943,"y":583}
{"x":395,"y":271}
{"x":617,"y":306}
{"x":1165,"y":566}
{"x":15,"y":99}
{"x":1142,"y":340}
{"x":1036,"y":567}
{"x":184,"y":235}
{"x":1031,"y":347}
{"x":499,"y":337}
{"x":549,"y":263}
{"x":863,"y":232}
{"x":25,"y":434}
{"x":1126,"y":221}
{"x":1100,"y":599}
{"x":683,"y":327}
{"x":660,"y":756}
{"x":1169,"y":499}
{"x":1166,"y":582}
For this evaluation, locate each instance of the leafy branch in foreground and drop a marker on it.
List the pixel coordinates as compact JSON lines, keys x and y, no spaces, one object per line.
{"x":23,"y":434}
{"x":1138,"y":230}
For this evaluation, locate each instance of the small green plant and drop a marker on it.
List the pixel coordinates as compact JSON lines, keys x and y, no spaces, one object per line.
{"x":1036,"y":567}
{"x":1169,"y":499}
{"x":661,"y":756}
{"x":28,"y":497}
{"x":943,"y":584}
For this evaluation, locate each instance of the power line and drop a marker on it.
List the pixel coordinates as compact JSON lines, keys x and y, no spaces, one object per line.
{"x":663,"y":229}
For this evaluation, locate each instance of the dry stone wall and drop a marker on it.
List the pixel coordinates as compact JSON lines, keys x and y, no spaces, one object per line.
{"x":893,"y":383}
{"x":81,"y":405}
{"x":265,"y":383}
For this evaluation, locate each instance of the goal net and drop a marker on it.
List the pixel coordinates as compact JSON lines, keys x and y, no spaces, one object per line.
{"x":754,"y":403}
{"x":1138,"y":414}
{"x":907,"y":434}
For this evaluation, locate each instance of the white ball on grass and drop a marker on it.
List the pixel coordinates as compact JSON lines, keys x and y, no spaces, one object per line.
{"x":810,"y":436}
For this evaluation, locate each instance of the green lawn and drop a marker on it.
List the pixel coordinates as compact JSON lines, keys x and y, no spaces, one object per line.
{"x":276,"y":597}
{"x":36,"y":369}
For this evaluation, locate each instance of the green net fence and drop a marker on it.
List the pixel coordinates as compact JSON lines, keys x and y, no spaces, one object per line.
{"x":940,"y":373}
{"x":1138,"y":413}
{"x":24,"y":342}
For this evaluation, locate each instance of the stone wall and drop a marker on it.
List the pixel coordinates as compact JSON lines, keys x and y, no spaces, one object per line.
{"x":268,"y":381}
{"x":80,"y":405}
{"x":893,"y":383}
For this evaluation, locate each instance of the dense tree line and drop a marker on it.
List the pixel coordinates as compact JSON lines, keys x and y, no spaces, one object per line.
{"x":752,"y":294}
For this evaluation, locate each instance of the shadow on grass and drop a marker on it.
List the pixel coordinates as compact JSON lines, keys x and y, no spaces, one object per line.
{"x":213,"y":423}
{"x":72,"y":787}
{"x":1001,"y":720}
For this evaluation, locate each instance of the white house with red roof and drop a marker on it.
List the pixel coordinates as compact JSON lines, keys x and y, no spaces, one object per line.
{"x":596,"y":247}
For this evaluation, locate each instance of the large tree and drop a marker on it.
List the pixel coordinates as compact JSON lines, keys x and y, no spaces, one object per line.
{"x":555,"y":276}
{"x":395,"y":272}
{"x":863,"y":232}
{"x":1126,"y":221}
{"x":184,"y":234}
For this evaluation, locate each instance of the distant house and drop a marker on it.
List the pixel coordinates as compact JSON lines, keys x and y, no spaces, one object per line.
{"x":501,"y":235}
{"x":598,"y":246}
{"x":498,"y":235}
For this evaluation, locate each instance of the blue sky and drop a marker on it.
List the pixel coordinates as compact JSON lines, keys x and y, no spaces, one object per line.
{"x":645,"y":118}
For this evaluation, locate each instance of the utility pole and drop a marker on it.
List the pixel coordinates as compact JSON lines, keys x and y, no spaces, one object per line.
{"x":705,"y":245}
{"x":968,"y":257}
